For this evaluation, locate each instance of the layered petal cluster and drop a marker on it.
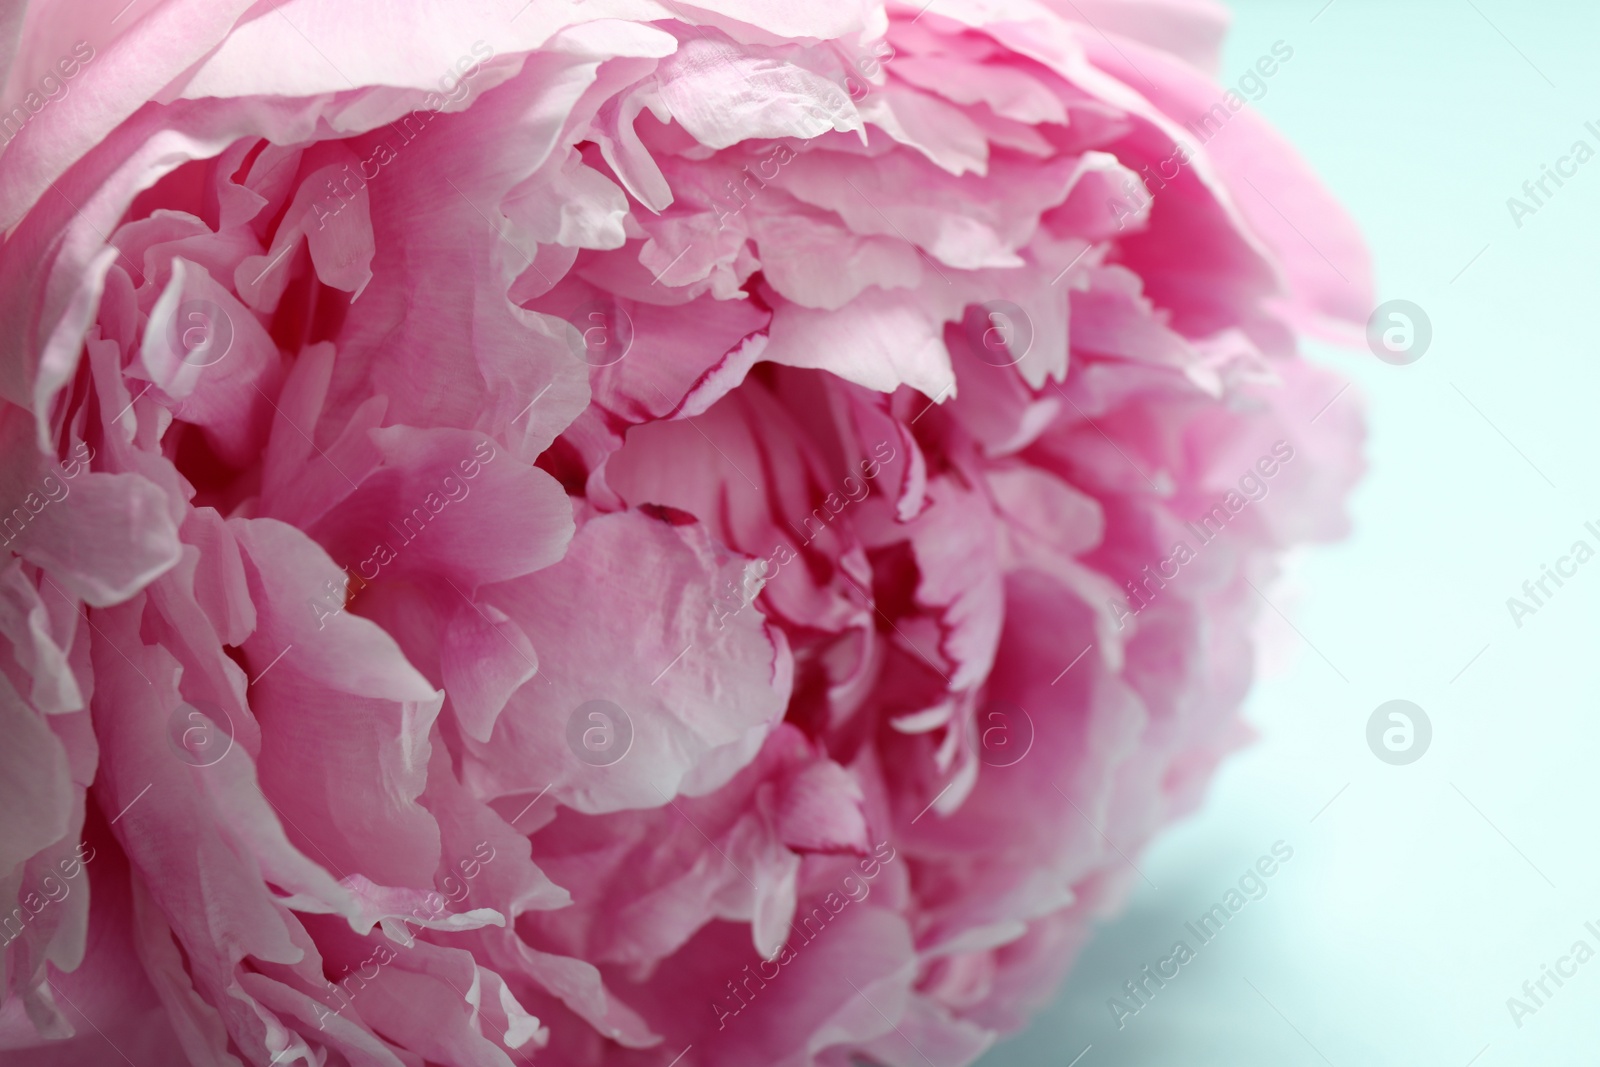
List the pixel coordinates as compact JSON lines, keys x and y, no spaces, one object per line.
{"x":624,"y":532}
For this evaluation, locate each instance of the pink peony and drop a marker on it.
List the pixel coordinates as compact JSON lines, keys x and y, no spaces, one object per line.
{"x":621,"y":532}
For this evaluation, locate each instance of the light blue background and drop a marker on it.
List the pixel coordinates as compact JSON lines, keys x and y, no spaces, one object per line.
{"x":1415,"y":903}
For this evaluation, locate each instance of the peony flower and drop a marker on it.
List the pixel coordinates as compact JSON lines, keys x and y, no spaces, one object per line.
{"x":622,"y":533}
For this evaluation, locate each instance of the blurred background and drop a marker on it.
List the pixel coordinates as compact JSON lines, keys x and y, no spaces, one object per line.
{"x":1421,"y":895}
